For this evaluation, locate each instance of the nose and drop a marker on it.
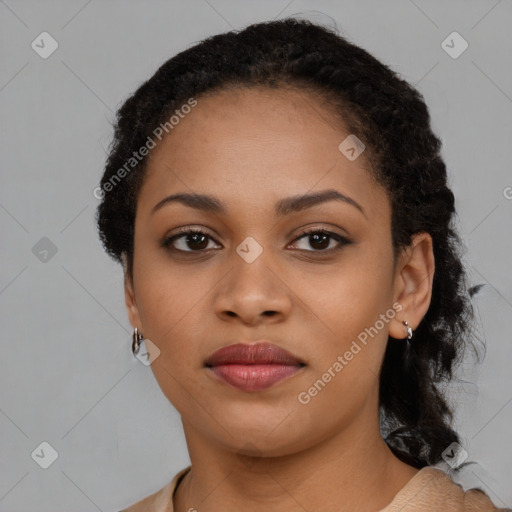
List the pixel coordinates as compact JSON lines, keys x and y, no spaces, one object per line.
{"x":253,"y":292}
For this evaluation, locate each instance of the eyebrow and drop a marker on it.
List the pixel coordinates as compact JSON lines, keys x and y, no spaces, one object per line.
{"x":283,"y":207}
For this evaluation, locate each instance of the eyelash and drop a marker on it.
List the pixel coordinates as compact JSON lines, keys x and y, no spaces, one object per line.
{"x":342,"y":241}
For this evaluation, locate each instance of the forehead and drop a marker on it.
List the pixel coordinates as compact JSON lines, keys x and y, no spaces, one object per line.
{"x":253,"y":146}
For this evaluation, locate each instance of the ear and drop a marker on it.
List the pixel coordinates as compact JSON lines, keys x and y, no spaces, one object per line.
{"x":129,"y":297}
{"x":414,"y":275}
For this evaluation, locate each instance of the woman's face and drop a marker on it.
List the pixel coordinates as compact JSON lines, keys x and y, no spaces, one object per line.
{"x":316,"y":297}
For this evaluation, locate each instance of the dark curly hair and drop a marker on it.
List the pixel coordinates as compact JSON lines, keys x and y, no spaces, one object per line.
{"x":403,"y":155}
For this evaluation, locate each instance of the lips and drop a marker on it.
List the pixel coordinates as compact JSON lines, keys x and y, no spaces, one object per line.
{"x":253,"y":367}
{"x":255,"y":353}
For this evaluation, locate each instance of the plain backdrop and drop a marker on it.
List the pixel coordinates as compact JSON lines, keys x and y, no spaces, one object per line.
{"x":67,"y":375}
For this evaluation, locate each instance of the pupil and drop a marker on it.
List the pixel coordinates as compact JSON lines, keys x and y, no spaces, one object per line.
{"x":317,"y":236}
{"x":195,"y":238}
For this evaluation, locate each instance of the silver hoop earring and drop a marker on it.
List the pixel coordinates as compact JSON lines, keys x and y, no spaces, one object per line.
{"x":409,"y":330}
{"x":136,"y":341}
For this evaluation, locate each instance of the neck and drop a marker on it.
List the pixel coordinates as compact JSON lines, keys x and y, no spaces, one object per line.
{"x":351,"y":470}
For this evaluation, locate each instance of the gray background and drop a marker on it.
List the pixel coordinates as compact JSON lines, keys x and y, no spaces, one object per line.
{"x":66,"y":373}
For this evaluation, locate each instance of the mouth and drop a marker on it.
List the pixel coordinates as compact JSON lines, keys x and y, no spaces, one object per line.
{"x":253,"y":367}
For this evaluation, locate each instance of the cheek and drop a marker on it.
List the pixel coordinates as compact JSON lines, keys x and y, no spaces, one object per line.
{"x":350,"y":326}
{"x":350,"y":298}
{"x":345,"y":366}
{"x":167,"y":313}
{"x":164,"y":292}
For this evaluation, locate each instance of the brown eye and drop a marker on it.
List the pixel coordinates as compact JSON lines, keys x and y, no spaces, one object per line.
{"x":188,"y":241}
{"x":320,"y":240}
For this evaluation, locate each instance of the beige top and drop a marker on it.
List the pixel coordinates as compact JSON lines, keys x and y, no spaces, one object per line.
{"x":429,"y":490}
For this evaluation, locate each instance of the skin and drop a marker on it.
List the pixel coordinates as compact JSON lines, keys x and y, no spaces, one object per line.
{"x":266,"y":450}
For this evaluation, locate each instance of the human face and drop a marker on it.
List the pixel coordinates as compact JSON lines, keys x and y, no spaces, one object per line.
{"x":251,"y":149}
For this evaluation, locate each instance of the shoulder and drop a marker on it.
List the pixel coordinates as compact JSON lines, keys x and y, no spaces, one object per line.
{"x":161,"y":500}
{"x":433,"y":489}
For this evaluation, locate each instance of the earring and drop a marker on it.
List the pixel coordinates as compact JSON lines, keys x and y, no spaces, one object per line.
{"x":137,"y":339}
{"x":408,"y":360}
{"x":409,"y":330}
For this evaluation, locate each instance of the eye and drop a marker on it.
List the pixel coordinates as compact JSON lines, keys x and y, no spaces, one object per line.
{"x":190,"y":240}
{"x":195,"y":240}
{"x":321,"y":239}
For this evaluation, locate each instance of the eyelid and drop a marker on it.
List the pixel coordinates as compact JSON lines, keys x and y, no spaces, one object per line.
{"x":325,"y":228}
{"x":187,"y":229}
